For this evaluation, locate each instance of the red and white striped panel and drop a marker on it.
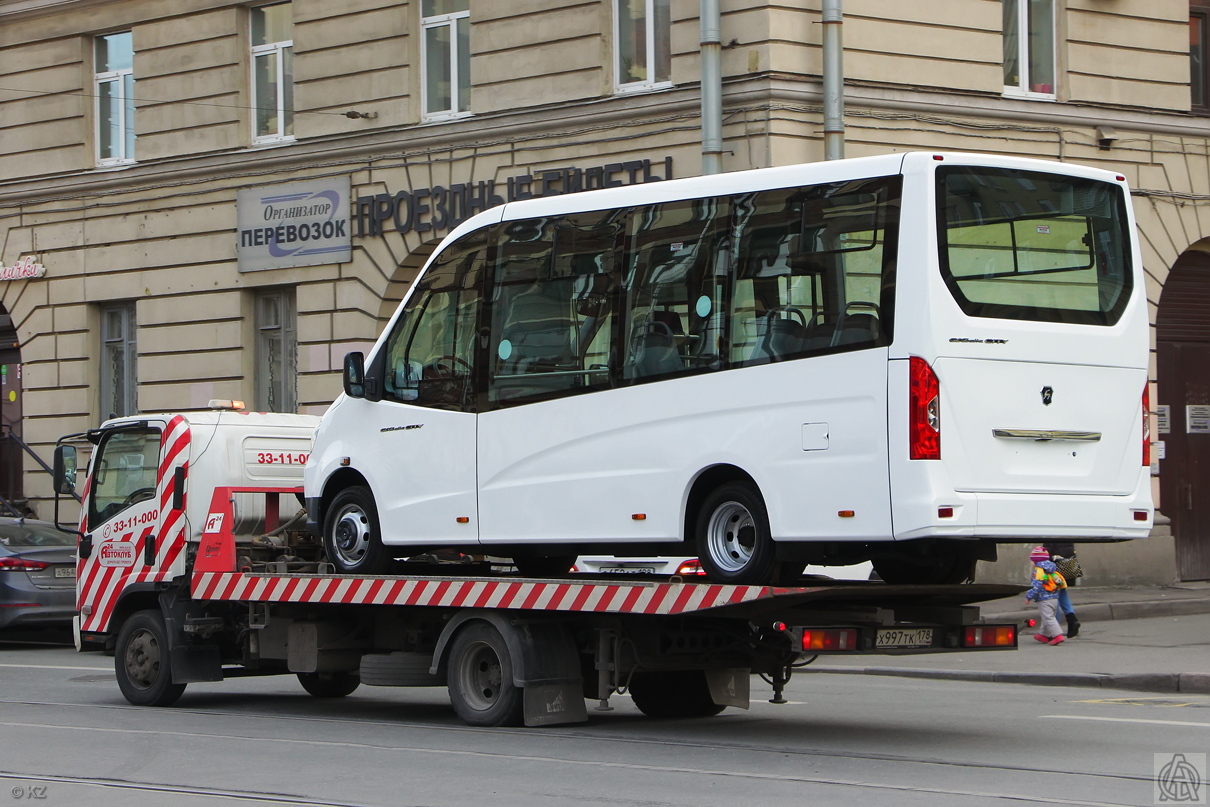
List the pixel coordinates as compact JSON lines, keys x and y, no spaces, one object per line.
{"x":595,"y":597}
{"x":99,"y":587}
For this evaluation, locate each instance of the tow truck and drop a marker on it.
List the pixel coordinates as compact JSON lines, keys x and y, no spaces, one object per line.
{"x":194,"y":565}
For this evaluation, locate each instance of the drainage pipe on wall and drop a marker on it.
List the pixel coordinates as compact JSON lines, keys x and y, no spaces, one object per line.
{"x":712,"y":88}
{"x":833,"y":80}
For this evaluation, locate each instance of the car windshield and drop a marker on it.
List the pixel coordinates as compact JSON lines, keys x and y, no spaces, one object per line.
{"x":15,"y":533}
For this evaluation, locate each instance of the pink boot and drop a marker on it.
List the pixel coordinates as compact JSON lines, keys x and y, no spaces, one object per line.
{"x":1058,"y":639}
{"x":1041,"y":638}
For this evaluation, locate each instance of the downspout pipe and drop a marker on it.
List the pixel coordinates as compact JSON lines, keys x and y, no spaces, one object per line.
{"x":712,"y":88}
{"x":833,"y":80}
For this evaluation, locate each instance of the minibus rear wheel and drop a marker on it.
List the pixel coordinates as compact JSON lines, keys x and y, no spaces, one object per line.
{"x":352,"y":539}
{"x":733,"y":540}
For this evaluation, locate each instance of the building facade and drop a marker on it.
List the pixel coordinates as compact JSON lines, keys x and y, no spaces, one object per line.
{"x":207,"y":199}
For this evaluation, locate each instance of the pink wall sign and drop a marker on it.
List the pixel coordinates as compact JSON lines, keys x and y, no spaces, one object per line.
{"x":23,"y":269}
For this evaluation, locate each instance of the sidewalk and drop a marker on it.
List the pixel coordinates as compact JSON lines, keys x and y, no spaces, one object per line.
{"x":1143,"y":639}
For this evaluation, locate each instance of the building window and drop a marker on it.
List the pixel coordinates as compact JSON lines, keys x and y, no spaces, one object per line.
{"x":276,"y":352}
{"x":642,"y":44}
{"x":273,"y":72}
{"x":446,"y":58}
{"x":1029,"y":48}
{"x":119,"y":361}
{"x":114,"y":90}
{"x":1199,"y":79}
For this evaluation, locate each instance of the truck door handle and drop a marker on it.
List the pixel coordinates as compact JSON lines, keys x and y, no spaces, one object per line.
{"x":149,"y":551}
{"x":84,"y":549}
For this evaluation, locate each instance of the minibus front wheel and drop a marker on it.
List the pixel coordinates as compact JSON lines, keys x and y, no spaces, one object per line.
{"x":352,"y":538}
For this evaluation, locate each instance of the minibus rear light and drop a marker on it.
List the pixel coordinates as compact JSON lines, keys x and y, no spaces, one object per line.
{"x":1147,"y":425}
{"x":990,"y":636}
{"x":924,"y":403}
{"x":829,"y":639}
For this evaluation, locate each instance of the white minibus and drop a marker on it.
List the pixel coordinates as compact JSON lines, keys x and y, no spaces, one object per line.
{"x":905,"y":359}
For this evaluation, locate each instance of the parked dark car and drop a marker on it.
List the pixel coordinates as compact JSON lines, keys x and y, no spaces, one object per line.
{"x":37,"y":574}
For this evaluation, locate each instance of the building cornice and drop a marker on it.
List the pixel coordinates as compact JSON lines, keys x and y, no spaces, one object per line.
{"x":356,"y":151}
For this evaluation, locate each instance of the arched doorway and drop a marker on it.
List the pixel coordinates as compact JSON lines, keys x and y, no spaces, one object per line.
{"x":1183,"y":385}
{"x":11,"y":476}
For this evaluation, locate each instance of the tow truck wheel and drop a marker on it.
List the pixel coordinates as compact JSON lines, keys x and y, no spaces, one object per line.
{"x":141,"y":661}
{"x":672,"y":694}
{"x":329,"y":685}
{"x":733,"y":540}
{"x":481,"y":678}
{"x":352,"y":539}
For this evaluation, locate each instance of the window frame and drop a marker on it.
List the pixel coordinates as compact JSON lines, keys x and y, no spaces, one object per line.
{"x":286,"y":331}
{"x":123,"y":101}
{"x":1200,"y":12}
{"x":128,"y":341}
{"x":651,"y":49}
{"x":285,"y":117}
{"x":1022,"y":88}
{"x":447,"y":20}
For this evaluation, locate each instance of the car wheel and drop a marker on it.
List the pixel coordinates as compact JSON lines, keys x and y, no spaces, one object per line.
{"x":733,"y":540}
{"x":673,"y":694}
{"x":480,"y":678}
{"x":141,"y":661}
{"x":352,"y":538}
{"x":329,"y":685}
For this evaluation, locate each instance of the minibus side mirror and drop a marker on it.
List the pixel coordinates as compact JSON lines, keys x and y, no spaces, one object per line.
{"x":65,"y":470}
{"x":355,"y":375}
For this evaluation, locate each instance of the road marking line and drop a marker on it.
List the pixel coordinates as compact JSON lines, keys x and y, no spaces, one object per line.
{"x":1130,"y":720}
{"x":50,"y":667}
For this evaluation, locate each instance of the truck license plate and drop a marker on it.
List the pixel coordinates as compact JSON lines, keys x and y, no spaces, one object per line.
{"x":65,"y":571}
{"x":896,"y":637}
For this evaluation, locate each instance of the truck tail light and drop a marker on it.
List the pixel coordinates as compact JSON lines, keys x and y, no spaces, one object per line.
{"x":924,"y":402}
{"x":829,"y":639}
{"x":21,"y":565}
{"x":990,"y":636}
{"x":1147,"y":425}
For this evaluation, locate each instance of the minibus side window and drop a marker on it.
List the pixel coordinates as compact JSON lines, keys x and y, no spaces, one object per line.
{"x":814,"y":270}
{"x":675,"y":287}
{"x":554,"y":307}
{"x":430,"y":354}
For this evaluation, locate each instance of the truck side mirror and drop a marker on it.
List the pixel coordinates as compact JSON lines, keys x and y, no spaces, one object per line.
{"x":355,"y":375}
{"x":65,"y":470}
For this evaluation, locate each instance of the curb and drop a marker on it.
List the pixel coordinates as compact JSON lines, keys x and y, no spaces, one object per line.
{"x":1188,"y":683}
{"x":1106,"y":611}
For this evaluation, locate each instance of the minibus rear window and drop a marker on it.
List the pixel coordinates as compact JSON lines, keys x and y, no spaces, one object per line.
{"x":1033,"y":246}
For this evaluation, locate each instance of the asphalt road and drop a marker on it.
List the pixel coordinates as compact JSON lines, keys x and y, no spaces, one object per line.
{"x":68,"y":738}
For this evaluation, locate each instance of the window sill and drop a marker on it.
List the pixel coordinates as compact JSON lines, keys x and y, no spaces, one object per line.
{"x":1023,"y":95}
{"x":115,"y":165}
{"x":641,"y":87}
{"x":444,"y":117}
{"x":261,"y":142}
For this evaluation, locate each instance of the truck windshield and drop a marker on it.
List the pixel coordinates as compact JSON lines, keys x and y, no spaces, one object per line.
{"x":1034,"y":246}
